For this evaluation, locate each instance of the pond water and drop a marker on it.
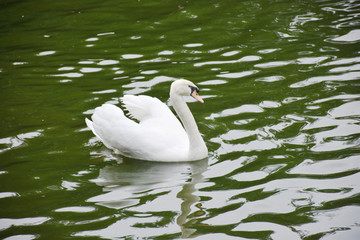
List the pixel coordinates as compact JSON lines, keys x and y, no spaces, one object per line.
{"x":281,"y":119}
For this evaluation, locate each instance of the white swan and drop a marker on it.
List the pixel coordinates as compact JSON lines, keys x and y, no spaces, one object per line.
{"x":158,"y":136}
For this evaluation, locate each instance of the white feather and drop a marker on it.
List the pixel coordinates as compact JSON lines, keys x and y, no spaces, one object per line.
{"x":158,"y":136}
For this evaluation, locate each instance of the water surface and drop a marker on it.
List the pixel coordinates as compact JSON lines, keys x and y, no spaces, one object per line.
{"x":281,"y":119}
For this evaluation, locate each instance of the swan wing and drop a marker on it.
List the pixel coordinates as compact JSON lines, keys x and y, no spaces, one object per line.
{"x":157,"y":120}
{"x":144,"y":107}
{"x":152,"y":113}
{"x":159,"y":135}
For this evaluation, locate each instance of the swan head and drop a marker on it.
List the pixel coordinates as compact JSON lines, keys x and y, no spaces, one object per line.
{"x":183,"y":87}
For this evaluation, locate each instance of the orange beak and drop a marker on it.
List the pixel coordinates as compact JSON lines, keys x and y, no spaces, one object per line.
{"x":196,"y":95}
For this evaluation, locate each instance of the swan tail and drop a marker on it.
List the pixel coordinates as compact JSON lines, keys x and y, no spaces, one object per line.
{"x":89,"y":124}
{"x":112,"y":127}
{"x":102,"y":115}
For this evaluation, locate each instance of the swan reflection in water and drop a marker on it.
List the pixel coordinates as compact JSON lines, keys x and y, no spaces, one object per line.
{"x":149,"y":195}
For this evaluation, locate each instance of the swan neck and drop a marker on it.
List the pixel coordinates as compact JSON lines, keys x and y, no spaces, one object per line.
{"x":196,"y":143}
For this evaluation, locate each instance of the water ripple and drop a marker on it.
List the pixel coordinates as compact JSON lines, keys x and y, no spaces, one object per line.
{"x":351,"y":76}
{"x":6,"y":223}
{"x":19,"y":140}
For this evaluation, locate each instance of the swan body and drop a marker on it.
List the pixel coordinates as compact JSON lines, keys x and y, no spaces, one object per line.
{"x":158,"y":135}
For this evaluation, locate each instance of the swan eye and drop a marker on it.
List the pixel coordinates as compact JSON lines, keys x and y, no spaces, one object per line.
{"x":193,"y":89}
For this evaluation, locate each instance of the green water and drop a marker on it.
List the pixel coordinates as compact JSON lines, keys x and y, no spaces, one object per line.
{"x":281,"y":119}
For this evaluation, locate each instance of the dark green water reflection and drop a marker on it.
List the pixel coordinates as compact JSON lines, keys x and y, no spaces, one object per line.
{"x":280,"y":80}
